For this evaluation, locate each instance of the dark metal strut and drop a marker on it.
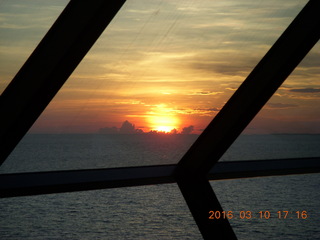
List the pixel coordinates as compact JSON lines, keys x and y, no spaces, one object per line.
{"x":35,"y":183}
{"x":50,"y":65}
{"x":293,"y":45}
{"x":62,"y":49}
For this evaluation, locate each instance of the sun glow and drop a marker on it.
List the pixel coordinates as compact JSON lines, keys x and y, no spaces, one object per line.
{"x":164,"y":129}
{"x":163,"y":123}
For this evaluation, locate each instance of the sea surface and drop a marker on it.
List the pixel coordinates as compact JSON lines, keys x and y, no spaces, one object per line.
{"x":159,"y":211}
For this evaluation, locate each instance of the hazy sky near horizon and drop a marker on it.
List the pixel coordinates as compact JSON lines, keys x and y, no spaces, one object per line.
{"x":164,"y":64}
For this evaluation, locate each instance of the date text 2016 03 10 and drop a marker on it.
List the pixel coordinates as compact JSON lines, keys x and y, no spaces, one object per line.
{"x":257,"y":215}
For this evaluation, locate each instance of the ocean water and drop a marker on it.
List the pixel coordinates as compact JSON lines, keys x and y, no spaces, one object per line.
{"x":158,"y":211}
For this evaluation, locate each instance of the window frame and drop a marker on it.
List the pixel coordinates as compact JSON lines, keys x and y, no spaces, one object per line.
{"x":84,"y":22}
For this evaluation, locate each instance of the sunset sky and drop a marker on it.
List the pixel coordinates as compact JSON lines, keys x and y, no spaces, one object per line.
{"x":164,"y":64}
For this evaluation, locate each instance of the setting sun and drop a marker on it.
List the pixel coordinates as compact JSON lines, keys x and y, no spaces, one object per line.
{"x":163,"y":123}
{"x":163,"y":129}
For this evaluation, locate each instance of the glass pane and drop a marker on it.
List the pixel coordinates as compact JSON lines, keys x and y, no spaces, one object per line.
{"x":23,"y":25}
{"x":45,"y":152}
{"x":289,"y":124}
{"x":160,"y":72}
{"x":148,"y":212}
{"x":297,"y":194}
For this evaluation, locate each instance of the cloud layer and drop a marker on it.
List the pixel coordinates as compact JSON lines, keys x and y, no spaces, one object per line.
{"x":183,"y":59}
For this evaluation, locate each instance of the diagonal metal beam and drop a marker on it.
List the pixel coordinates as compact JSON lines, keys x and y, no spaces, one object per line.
{"x":247,"y":101}
{"x":201,"y":199}
{"x":50,"y":65}
{"x":256,"y":90}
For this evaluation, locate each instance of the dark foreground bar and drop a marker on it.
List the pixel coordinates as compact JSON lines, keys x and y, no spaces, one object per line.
{"x":25,"y":184}
{"x":260,"y":168}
